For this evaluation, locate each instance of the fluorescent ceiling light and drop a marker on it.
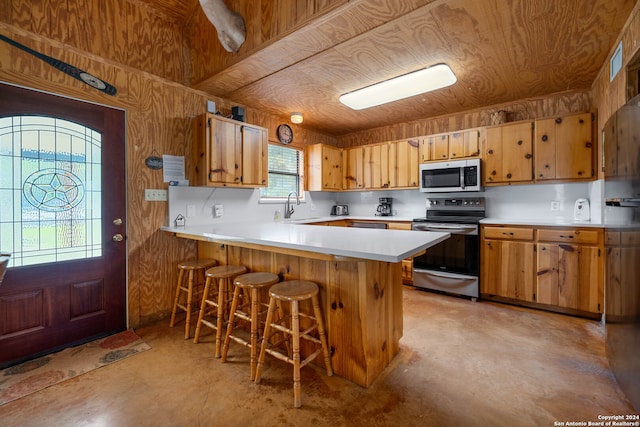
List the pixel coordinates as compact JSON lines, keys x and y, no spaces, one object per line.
{"x":401,"y":87}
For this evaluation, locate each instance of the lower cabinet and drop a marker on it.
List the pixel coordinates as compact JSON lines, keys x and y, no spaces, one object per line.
{"x":551,"y":267}
{"x":407,"y":264}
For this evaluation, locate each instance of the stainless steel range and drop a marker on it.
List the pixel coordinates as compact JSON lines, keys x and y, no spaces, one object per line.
{"x":451,"y":266}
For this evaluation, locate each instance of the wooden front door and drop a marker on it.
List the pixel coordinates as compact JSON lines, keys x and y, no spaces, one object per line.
{"x":62,"y":217}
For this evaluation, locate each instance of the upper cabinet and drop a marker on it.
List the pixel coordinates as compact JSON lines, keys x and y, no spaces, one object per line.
{"x":403,"y":163}
{"x":376,"y":166}
{"x":454,"y":145}
{"x":508,"y":154}
{"x":564,"y":148}
{"x":229,"y":153}
{"x":324,"y":167}
{"x":353,"y":167}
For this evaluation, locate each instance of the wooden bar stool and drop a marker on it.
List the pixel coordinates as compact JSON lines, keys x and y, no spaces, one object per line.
{"x":192,"y":267}
{"x":215,"y":299}
{"x":294,"y":291}
{"x":247,"y":311}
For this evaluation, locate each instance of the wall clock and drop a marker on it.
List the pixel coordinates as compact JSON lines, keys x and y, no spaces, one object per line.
{"x":285,"y":134}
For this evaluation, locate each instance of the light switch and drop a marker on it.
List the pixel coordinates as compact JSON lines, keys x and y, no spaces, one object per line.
{"x":191,"y":211}
{"x":218,"y":211}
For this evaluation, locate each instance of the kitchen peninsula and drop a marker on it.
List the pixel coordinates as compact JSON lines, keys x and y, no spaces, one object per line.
{"x":358,"y":272}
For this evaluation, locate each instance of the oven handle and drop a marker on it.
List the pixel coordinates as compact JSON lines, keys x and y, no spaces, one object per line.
{"x":450,"y":229}
{"x":445,"y":274}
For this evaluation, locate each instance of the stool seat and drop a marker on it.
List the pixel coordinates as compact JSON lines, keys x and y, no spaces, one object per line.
{"x":256,"y":280}
{"x":293,"y":291}
{"x":191,"y":267}
{"x":215,"y":300}
{"x":225,"y":271}
{"x":251,"y":284}
{"x":298,"y":290}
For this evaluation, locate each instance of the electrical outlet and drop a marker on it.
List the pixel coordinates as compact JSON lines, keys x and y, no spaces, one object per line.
{"x":155,"y":195}
{"x":191,"y":211}
{"x":218,"y":211}
{"x":555,"y":205}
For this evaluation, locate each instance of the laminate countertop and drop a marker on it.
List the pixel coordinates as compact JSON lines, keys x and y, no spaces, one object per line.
{"x":363,"y":243}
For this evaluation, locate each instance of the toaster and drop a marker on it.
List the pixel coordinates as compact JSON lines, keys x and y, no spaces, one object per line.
{"x":340,"y":210}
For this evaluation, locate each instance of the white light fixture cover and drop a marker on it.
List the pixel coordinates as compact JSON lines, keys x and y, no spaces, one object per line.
{"x":401,"y":87}
{"x":296,"y":118}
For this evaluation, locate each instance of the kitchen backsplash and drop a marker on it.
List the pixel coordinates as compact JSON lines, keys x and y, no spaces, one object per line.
{"x":196,"y":204}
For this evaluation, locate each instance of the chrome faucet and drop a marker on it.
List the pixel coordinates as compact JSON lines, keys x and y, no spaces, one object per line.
{"x":288,"y":209}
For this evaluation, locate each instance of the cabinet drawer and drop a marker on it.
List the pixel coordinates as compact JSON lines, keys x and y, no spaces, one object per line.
{"x":510,"y":233}
{"x":399,"y":225}
{"x":569,"y":236}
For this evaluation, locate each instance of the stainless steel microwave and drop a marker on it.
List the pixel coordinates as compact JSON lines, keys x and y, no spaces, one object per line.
{"x":450,"y":176}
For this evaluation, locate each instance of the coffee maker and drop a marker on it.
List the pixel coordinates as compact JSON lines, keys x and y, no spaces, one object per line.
{"x":384,"y":208}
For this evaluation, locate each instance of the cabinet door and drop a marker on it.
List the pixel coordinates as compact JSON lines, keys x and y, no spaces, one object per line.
{"x":403,"y":163}
{"x":568,"y":276}
{"x":507,"y":269}
{"x":434,"y":147}
{"x":517,"y":147}
{"x":225,"y":149}
{"x":464,"y":144}
{"x":564,"y":147}
{"x":376,"y":166}
{"x":332,"y":168}
{"x":353,"y":168}
{"x":492,"y":168}
{"x":254,"y":156}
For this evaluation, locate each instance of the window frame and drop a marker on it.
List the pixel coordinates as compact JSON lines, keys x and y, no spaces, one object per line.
{"x":300,"y":175}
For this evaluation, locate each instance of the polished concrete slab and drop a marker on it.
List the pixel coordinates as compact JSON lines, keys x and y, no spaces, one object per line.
{"x":461,"y":364}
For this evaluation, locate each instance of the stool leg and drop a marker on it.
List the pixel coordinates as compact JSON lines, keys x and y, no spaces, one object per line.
{"x":187,"y":325}
{"x":232,"y":311}
{"x":265,"y":335}
{"x":295,"y":326}
{"x":255,"y":304}
{"x":203,"y":305}
{"x":323,"y":336}
{"x":175,"y":301}
{"x":286,"y":337}
{"x":220,"y":313}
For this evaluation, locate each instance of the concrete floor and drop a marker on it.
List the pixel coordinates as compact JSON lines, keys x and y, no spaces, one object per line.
{"x":461,"y":364}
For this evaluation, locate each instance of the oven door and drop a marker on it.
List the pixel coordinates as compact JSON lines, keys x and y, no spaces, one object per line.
{"x":458,"y":254}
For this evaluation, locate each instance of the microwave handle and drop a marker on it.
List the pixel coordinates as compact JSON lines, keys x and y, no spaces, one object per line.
{"x":462,"y":178}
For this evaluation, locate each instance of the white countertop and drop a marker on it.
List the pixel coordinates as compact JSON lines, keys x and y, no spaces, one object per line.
{"x":392,"y":218}
{"x":372,"y":244}
{"x":538,"y":222}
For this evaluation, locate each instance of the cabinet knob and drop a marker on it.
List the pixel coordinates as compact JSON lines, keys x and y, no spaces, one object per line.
{"x":545,"y":138}
{"x":520,"y":142}
{"x":490,"y":151}
{"x":528,"y":156}
{"x":509,"y":175}
{"x":559,"y":120}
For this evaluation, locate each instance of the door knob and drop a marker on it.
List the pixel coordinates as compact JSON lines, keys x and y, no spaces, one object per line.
{"x":117,"y":221}
{"x":117,"y":238}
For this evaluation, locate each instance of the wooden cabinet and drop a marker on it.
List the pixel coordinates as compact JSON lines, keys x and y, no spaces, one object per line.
{"x":570,"y":269}
{"x":454,"y":145}
{"x":508,"y":154}
{"x":229,"y":153}
{"x":565,"y":148}
{"x":434,"y":147}
{"x":464,"y":144}
{"x":622,"y":270}
{"x":353,"y":167}
{"x":403,"y":163}
{"x":376,"y":166}
{"x":550,"y":267}
{"x":324,"y":167}
{"x":507,"y":262}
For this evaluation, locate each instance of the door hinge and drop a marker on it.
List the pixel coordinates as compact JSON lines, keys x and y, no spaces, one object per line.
{"x":534,"y":296}
{"x":209,"y":122}
{"x":598,"y":252}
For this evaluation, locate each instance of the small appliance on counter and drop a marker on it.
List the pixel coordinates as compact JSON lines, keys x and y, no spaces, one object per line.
{"x":340,"y":210}
{"x":384,"y":208}
{"x":581,"y":211}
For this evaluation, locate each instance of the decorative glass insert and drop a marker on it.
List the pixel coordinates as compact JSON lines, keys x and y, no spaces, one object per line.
{"x":285,"y":166}
{"x":50,"y":190}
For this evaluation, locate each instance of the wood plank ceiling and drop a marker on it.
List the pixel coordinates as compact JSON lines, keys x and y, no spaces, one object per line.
{"x":500,"y":50}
